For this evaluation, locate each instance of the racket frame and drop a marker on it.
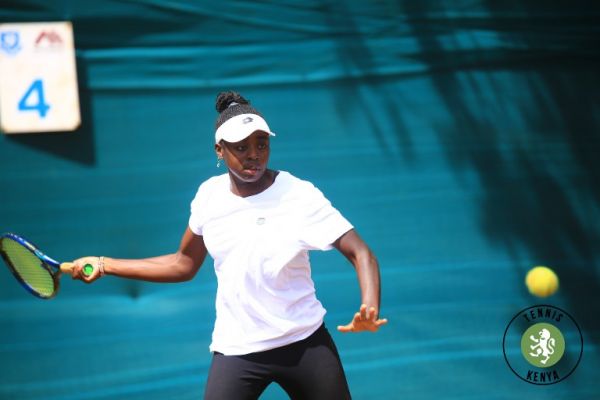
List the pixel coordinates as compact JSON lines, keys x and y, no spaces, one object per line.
{"x":47,"y":263}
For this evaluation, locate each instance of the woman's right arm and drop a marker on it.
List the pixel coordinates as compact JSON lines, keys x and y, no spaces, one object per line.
{"x":176,"y":267}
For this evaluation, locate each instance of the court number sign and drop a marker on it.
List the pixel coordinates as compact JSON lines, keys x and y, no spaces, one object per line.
{"x":38,"y":78}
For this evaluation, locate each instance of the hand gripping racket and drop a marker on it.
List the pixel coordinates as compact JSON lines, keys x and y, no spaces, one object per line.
{"x":36,"y":272}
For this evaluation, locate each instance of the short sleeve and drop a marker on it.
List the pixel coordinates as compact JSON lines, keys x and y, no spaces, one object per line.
{"x":322,"y":223}
{"x":198,"y":208}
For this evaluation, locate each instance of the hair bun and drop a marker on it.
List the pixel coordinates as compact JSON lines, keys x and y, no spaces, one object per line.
{"x":224,"y":100}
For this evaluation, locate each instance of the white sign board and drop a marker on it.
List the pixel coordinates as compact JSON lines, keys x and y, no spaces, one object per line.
{"x":38,"y":78}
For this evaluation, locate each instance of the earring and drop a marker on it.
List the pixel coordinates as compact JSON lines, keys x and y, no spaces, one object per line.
{"x":219,"y":159}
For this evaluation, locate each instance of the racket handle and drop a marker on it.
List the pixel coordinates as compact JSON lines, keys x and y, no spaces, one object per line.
{"x":67,"y":267}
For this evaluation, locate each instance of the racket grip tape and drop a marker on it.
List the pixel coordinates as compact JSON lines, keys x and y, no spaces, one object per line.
{"x":67,"y":267}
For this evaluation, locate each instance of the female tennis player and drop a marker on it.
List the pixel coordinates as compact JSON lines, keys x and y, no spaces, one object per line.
{"x":258,"y":225}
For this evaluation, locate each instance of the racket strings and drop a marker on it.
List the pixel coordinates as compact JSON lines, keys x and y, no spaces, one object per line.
{"x":28,"y":267}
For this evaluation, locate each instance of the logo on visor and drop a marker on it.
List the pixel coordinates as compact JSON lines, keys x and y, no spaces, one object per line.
{"x":247,"y":120}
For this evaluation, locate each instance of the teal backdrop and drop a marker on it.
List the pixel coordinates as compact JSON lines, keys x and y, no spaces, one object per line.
{"x":461,"y":138}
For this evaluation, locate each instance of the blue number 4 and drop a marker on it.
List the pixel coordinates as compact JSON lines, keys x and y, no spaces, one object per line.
{"x":41,"y":107}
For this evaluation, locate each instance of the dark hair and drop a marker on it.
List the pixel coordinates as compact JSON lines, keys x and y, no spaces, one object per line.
{"x":226,"y":108}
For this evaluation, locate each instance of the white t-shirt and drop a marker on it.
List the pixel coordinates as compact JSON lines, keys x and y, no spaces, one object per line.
{"x":259,"y":244}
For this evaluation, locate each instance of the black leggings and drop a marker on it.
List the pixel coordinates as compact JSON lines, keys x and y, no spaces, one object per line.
{"x":308,"y":369}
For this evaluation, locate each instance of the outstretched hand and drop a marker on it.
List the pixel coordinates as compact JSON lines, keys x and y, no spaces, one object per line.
{"x":77,"y":272}
{"x":364,"y":320}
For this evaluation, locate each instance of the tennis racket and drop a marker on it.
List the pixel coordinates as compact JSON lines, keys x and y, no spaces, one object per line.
{"x":37,"y":273}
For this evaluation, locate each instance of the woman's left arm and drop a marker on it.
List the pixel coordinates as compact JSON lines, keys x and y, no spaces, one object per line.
{"x":367,"y":269}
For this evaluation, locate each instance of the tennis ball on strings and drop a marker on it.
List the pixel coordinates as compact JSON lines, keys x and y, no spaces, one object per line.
{"x":541,"y":281}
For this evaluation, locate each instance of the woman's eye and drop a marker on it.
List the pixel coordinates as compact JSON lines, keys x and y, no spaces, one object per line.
{"x":240,"y":148}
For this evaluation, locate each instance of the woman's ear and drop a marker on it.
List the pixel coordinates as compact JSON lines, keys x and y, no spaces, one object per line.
{"x":219,"y":150}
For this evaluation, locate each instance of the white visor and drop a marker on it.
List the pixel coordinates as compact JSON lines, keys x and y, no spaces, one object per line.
{"x":240,"y":127}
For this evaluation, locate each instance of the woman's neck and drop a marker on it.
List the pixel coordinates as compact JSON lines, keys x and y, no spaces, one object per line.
{"x":245,"y":189}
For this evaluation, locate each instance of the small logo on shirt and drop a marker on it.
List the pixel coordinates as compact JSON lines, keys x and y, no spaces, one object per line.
{"x":260,"y":221}
{"x":247,"y":120}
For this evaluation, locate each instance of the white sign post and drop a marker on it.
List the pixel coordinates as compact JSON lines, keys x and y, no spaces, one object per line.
{"x":38,"y":78}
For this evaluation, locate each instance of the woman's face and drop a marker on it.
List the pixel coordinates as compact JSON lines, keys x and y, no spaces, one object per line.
{"x":246,"y":159}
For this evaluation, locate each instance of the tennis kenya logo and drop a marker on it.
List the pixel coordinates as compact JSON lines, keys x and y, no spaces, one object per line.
{"x":543,"y":345}
{"x":549,"y":341}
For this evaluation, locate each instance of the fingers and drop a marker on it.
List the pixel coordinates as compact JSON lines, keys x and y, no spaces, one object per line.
{"x":345,"y":328}
{"x":366,"y":319}
{"x":381,"y":322}
{"x":369,"y":314}
{"x":86,"y":269}
{"x":363,"y":312}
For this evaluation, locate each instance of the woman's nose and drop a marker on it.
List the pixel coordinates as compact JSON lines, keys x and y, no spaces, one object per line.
{"x":252,"y":153}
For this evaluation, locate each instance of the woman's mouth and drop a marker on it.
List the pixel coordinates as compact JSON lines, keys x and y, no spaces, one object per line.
{"x":251,"y":170}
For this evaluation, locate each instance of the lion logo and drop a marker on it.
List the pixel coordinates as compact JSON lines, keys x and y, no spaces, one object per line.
{"x":543,"y":345}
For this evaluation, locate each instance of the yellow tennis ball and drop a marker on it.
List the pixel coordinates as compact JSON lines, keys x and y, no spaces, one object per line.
{"x":541,"y":281}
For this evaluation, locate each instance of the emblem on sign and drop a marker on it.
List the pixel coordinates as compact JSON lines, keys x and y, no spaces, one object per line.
{"x":10,"y":42}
